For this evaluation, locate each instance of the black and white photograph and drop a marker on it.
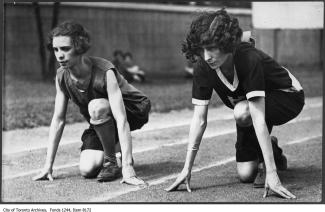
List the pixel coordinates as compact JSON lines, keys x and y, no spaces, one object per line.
{"x":175,"y":102}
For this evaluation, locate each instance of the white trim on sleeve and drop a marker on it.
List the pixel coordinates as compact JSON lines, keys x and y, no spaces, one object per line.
{"x":295,"y":83}
{"x":200,"y":102}
{"x":255,"y":94}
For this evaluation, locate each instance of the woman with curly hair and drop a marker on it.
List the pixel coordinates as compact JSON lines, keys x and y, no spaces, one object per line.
{"x":261,"y":92}
{"x":111,"y":106}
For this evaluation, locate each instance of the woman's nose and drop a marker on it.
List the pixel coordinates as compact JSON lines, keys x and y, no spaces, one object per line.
{"x":60,"y":55}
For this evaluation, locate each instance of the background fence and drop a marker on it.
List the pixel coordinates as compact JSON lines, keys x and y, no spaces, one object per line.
{"x":153,"y":33}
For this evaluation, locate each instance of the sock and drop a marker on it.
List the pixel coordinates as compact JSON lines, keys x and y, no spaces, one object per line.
{"x":106,"y":133}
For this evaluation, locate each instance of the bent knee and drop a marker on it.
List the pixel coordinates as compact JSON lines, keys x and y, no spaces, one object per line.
{"x":247,"y":171}
{"x":89,"y":170}
{"x":242,"y":114}
{"x":90,"y":162}
{"x":99,"y":111}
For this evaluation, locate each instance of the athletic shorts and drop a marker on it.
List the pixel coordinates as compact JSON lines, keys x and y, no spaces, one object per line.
{"x":280,"y":107}
{"x":137,"y":112}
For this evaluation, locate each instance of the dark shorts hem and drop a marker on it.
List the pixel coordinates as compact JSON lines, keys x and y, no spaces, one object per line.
{"x":280,"y":108}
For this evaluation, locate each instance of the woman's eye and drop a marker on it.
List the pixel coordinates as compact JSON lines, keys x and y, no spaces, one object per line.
{"x":65,"y":49}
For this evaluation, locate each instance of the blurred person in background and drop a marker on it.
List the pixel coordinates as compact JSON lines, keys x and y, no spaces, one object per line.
{"x":261,"y":92}
{"x":111,"y":106}
{"x":137,"y":74}
{"x":119,"y":63}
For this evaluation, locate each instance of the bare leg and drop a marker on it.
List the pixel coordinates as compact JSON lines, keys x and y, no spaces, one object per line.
{"x":91,"y":162}
{"x":247,"y":171}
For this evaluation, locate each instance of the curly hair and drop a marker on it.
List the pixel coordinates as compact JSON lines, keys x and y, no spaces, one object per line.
{"x":211,"y":29}
{"x":78,"y":34}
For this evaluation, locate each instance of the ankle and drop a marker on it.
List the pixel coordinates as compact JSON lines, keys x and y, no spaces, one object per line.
{"x":261,"y":166}
{"x":111,"y":159}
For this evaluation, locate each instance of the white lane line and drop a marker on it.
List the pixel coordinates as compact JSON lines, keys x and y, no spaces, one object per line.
{"x":148,"y":129}
{"x":35,"y":171}
{"x":302,"y":140}
{"x":158,"y":181}
{"x":111,"y":195}
{"x":68,"y":142}
{"x":309,"y":118}
{"x":183,"y":123}
{"x":318,"y":104}
{"x":141,"y":150}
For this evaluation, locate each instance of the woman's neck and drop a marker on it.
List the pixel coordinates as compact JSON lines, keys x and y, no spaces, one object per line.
{"x":227,"y":68}
{"x":82,"y":69}
{"x":228,"y":65}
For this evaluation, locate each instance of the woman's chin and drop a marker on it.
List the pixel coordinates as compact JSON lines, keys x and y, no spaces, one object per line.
{"x":214,"y":66}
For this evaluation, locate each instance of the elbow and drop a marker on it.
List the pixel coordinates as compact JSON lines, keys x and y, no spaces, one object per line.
{"x":200,"y":120}
{"x":122,"y":122}
{"x":203,"y":123}
{"x":62,"y":123}
{"x":58,"y":121}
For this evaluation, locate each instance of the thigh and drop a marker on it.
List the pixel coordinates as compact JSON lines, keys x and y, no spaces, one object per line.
{"x":91,"y":159}
{"x":247,"y":170}
{"x":281,"y":107}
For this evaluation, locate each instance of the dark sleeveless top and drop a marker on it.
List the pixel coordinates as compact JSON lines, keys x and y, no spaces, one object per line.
{"x":137,"y":105}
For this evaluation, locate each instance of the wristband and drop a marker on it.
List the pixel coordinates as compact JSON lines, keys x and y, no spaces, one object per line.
{"x":194,"y":147}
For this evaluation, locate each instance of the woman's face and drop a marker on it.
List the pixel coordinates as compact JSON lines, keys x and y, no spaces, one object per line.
{"x":64,"y":51}
{"x":214,"y":57}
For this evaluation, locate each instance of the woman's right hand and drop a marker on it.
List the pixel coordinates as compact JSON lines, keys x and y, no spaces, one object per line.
{"x":183,"y":177}
{"x":46,"y":174}
{"x":273,"y":183}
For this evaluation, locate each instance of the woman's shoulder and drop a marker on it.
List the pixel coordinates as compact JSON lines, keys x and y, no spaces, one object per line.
{"x":245,"y":53}
{"x":245,"y":48}
{"x":101,"y":63}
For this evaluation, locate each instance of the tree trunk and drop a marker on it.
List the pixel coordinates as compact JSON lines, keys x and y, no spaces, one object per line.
{"x":40,"y":39}
{"x":51,"y":64}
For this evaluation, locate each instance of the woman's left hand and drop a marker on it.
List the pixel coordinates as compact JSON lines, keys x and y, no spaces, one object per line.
{"x":134,"y":181}
{"x":272,"y":182}
{"x":183,"y":178}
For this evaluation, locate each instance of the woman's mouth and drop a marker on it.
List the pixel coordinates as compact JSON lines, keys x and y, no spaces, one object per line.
{"x":63,"y":63}
{"x":213,"y":65}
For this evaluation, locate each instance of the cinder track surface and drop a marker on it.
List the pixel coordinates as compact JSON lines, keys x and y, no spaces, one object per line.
{"x":159,"y":153}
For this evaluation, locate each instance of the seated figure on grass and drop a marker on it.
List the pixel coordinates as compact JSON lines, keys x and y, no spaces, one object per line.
{"x":111,"y":106}
{"x":137,"y":74}
{"x":261,"y":92}
{"x":119,"y":63}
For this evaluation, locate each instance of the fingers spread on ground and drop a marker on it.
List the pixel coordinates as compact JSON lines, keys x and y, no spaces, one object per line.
{"x":288,"y":193}
{"x":50,"y":177}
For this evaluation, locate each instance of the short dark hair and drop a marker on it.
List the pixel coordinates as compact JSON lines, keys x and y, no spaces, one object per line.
{"x":128,"y":54}
{"x":117,"y":52}
{"x":211,"y":29}
{"x":78,"y":34}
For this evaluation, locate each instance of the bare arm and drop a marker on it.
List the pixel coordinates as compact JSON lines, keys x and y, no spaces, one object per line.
{"x":55,"y":133}
{"x":257,"y":111}
{"x":197,"y":128}
{"x":123,"y":128}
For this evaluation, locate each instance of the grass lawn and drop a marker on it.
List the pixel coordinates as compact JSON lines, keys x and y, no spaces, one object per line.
{"x":30,"y":103}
